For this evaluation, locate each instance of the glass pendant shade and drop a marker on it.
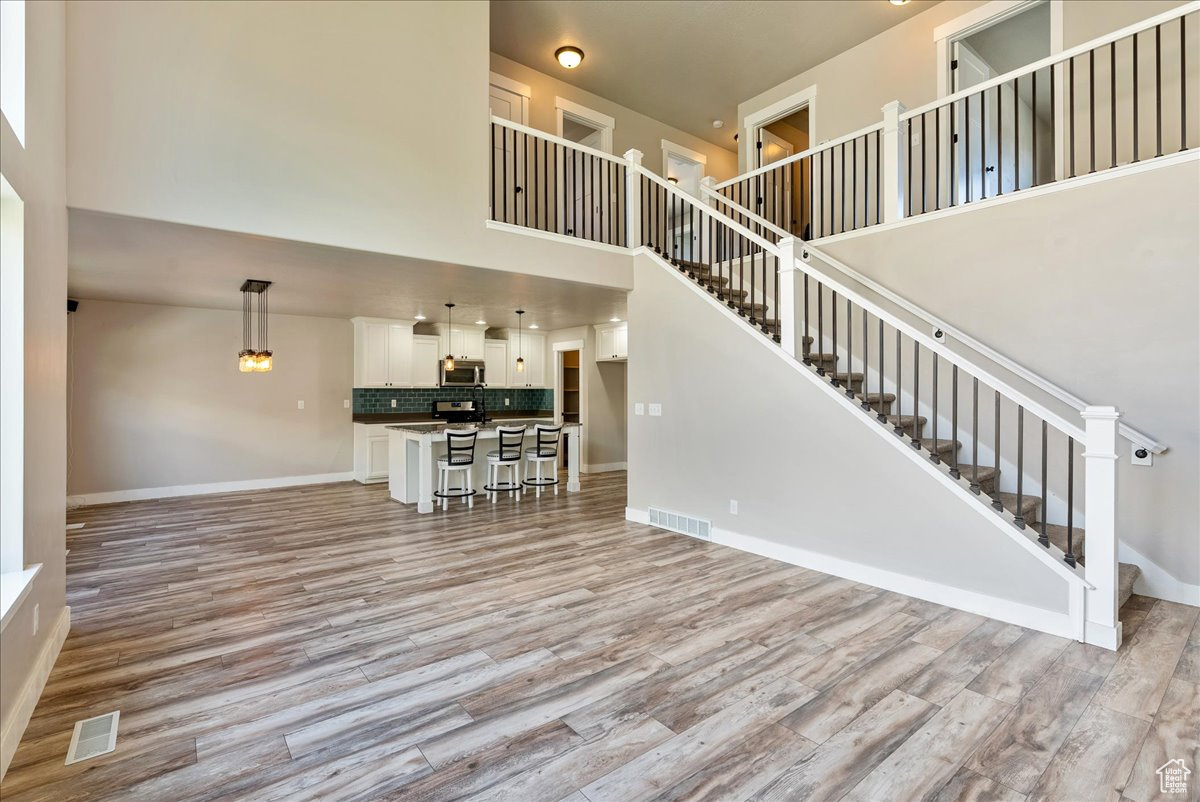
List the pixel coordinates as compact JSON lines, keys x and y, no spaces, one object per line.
{"x":520,"y":364}
{"x":254,"y":360}
{"x":448,"y":364}
{"x":264,"y":362}
{"x":247,"y":361}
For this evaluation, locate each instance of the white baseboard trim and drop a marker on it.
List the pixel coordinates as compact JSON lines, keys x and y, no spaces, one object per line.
{"x":143,"y":494}
{"x":1007,"y":610}
{"x":604,"y":467}
{"x":31,"y":691}
{"x":1155,"y":581}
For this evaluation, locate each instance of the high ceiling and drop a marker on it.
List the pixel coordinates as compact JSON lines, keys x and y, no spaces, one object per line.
{"x":687,"y":64}
{"x":131,"y":259}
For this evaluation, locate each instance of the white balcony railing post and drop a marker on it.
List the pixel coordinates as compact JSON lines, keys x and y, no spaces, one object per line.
{"x":791,"y":279}
{"x":893,"y":163}
{"x":633,"y":198}
{"x":1100,"y":499}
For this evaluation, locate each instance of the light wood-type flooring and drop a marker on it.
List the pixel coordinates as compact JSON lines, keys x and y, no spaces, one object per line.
{"x":327,"y":643}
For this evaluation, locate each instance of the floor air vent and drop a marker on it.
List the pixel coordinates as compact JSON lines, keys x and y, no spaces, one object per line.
{"x":93,"y":737}
{"x":684,"y":524}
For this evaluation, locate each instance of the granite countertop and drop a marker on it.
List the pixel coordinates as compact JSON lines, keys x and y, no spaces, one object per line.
{"x":490,"y":426}
{"x":423,"y":417}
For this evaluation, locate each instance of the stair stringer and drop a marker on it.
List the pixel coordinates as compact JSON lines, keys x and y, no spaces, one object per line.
{"x":1055,"y":606}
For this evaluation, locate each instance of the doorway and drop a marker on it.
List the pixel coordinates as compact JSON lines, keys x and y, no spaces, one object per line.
{"x":507,"y":100}
{"x":784,"y":193}
{"x":568,"y":402}
{"x":580,"y":207}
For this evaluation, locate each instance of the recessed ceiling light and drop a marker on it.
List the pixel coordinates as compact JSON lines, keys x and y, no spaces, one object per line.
{"x":614,"y":320}
{"x":899,"y":2}
{"x":533,"y":325}
{"x":569,"y":56}
{"x":418,"y":317}
{"x":718,"y":123}
{"x":480,"y":322}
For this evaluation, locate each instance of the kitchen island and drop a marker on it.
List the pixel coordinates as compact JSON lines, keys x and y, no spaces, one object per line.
{"x":413,"y":449}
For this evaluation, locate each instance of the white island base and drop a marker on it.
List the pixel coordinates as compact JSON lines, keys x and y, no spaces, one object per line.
{"x":413,"y":451}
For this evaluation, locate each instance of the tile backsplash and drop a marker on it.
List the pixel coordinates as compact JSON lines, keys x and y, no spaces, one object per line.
{"x":370,"y":400}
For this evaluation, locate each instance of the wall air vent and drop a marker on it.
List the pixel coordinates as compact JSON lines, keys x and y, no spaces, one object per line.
{"x":684,"y":524}
{"x":93,"y":737}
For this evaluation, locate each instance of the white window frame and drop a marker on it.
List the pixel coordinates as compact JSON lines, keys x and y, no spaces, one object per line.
{"x":777,"y":111}
{"x":568,"y":109}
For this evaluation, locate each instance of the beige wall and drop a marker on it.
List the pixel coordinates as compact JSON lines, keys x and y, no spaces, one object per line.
{"x":632,"y":130}
{"x":738,"y":424}
{"x":901,"y":64}
{"x":603,"y":388}
{"x":157,"y":399}
{"x":353,"y":124}
{"x":37,"y":173}
{"x":1100,"y":294}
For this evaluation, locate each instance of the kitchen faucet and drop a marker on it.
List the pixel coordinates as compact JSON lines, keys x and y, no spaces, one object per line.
{"x":482,"y":403}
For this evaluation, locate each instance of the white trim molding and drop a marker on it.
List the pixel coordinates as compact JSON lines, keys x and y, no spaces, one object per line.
{"x":504,"y":82}
{"x":674,"y":148}
{"x":985,"y":16}
{"x":605,"y":467}
{"x":14,"y":587}
{"x":27,"y":698}
{"x":1156,"y":581}
{"x":172,"y":491}
{"x":568,"y":108}
{"x":777,"y":110}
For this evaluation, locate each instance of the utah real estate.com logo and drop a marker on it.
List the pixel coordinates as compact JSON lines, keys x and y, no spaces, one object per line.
{"x":1172,"y":777}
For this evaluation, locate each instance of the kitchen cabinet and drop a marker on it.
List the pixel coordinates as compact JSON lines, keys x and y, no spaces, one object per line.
{"x":382,"y":352}
{"x":426,"y":358}
{"x":612,"y":342}
{"x":370,"y":452}
{"x":533,"y":348}
{"x":495,"y":362}
{"x":464,"y":342}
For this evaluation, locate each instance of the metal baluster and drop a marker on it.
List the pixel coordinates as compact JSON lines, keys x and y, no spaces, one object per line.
{"x":1018,"y":516}
{"x":916,"y":405}
{"x":1135,"y":97}
{"x":937,"y":159}
{"x":850,"y":349}
{"x":1017,"y":135}
{"x":547,"y":197}
{"x":908,"y":161}
{"x":879,"y":413}
{"x":878,"y":177}
{"x":807,"y":329}
{"x":999,"y":142}
{"x":1042,"y":537}
{"x":924,"y":178}
{"x":1092,"y":109}
{"x":953,"y":147}
{"x":954,"y":472}
{"x":1182,"y":85}
{"x":819,"y":340}
{"x":537,"y":217}
{"x":996,"y":454}
{"x":975,"y":438}
{"x":1071,"y":105}
{"x":933,"y":455}
{"x":853,"y":184}
{"x":967,"y":134}
{"x":866,"y":384}
{"x":525,"y":172}
{"x":842,"y":149}
{"x":1033,"y":128}
{"x":898,"y":427}
{"x":778,"y":319}
{"x":1070,"y":555}
{"x":833,"y":310}
{"x":504,"y":173}
{"x":1158,"y":90}
{"x":751,"y":247}
{"x":1112,"y":96}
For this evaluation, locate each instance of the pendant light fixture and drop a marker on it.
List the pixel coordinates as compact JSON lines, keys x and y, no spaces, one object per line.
{"x":520,"y":350}
{"x":448,"y":363}
{"x":250,"y":359}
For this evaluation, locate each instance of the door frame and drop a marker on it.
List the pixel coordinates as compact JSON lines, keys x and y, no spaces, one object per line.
{"x":567,"y":109}
{"x":524,"y":91}
{"x":806,"y":97}
{"x":557,"y":349}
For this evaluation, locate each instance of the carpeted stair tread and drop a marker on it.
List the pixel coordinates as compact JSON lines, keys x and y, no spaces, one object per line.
{"x":725,"y":293}
{"x":987,"y":475}
{"x":1127,"y":574}
{"x":1029,"y":505}
{"x":823,"y":359}
{"x":906,"y":422}
{"x":940,"y":447}
{"x":1058,"y":536}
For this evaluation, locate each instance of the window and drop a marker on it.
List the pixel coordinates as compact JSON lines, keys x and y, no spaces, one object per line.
{"x":12,"y":65}
{"x":12,"y":392}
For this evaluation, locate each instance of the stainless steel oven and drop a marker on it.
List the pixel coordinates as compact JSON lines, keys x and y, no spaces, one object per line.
{"x":466,"y":373}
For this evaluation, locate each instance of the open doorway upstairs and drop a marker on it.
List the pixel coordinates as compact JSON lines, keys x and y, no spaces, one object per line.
{"x":776,"y":134}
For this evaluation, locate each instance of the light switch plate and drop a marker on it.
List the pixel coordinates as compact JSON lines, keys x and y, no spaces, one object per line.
{"x":346,"y":404}
{"x":639,"y":408}
{"x":733,"y":506}
{"x":393,"y":403}
{"x":299,"y":405}
{"x":1134,"y":457}
{"x":655,"y":410}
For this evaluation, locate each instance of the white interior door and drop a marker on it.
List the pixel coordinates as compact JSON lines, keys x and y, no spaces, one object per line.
{"x":584,"y":182}
{"x":507,"y":155}
{"x":976,"y":153}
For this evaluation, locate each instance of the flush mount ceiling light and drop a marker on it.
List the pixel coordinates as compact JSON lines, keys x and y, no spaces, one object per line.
{"x":614,"y":320}
{"x":418,"y":317}
{"x":520,"y":351}
{"x":899,"y":2}
{"x":569,"y":56}
{"x":254,"y":360}
{"x":718,"y":123}
{"x":533,"y":325}
{"x":673,"y":179}
{"x":480,"y":322}
{"x":448,"y":363}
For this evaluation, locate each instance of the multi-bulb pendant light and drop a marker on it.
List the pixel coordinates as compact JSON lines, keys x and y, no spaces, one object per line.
{"x":448,"y":363}
{"x":520,"y":350}
{"x":260,"y":359}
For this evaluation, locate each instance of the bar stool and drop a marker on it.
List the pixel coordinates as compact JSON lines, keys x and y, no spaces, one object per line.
{"x":545,"y":450}
{"x":460,"y":458}
{"x":508,"y":455}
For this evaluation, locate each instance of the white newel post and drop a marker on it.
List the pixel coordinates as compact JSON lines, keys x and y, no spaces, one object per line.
{"x":893,"y":163}
{"x":791,"y":339}
{"x":710,"y":183}
{"x":1100,"y":499}
{"x":633,"y":199}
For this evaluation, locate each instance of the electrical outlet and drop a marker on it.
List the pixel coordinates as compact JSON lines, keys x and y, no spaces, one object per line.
{"x":506,"y":401}
{"x":393,"y":403}
{"x":299,"y":405}
{"x":655,"y":410}
{"x":639,"y":408}
{"x":733,"y":506}
{"x":37,"y":609}
{"x":1140,"y":455}
{"x":346,"y":404}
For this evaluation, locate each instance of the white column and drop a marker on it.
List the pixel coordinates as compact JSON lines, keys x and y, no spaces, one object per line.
{"x":633,"y":199}
{"x":425,"y":474}
{"x":1100,"y":500}
{"x":791,"y":304}
{"x":572,"y":435}
{"x":893,"y":163}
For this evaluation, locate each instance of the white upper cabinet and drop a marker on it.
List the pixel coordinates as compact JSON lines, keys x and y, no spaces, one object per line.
{"x":532,"y":347}
{"x":382,"y":352}
{"x":612,"y":342}
{"x":464,"y":342}
{"x":495,"y":362}
{"x":426,"y":356}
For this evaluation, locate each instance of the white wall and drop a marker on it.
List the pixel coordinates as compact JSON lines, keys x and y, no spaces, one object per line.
{"x":37,"y":173}
{"x":738,"y":424}
{"x":157,"y":399}
{"x":1100,"y":293}
{"x":354,"y":124}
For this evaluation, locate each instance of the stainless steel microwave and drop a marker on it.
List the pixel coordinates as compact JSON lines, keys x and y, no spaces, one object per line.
{"x":466,"y":373}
